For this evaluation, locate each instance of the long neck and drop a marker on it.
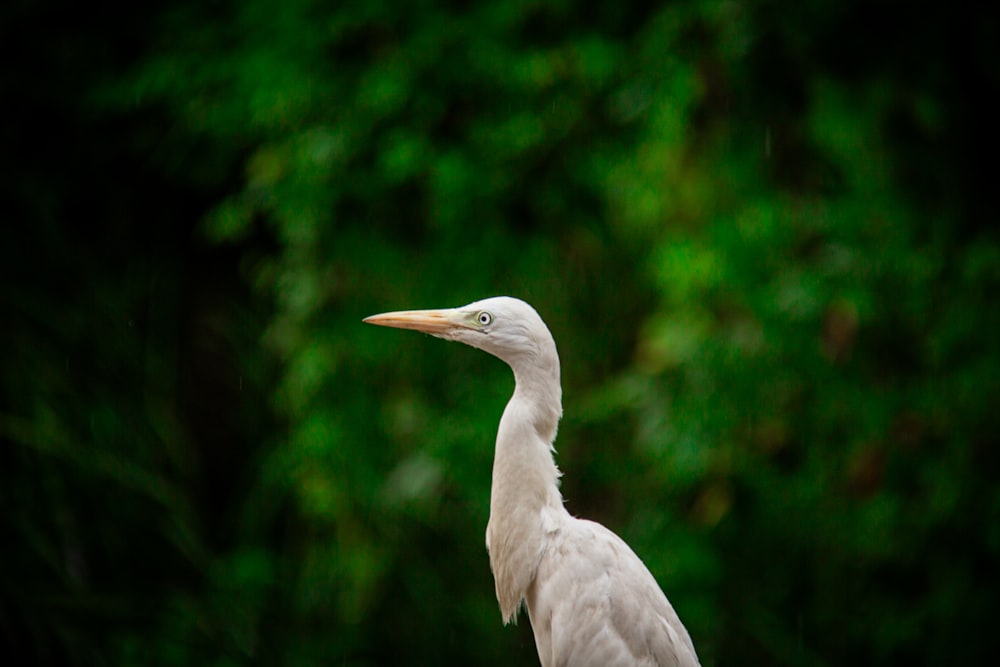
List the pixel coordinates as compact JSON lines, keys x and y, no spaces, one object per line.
{"x":525,"y":503}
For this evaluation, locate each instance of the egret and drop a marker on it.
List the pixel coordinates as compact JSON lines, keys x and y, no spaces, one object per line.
{"x":591,"y":601}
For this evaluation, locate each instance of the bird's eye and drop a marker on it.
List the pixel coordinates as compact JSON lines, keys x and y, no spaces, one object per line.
{"x":484,"y":319}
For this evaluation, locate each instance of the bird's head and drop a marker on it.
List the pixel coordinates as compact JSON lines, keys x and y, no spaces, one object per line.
{"x":505,"y":327}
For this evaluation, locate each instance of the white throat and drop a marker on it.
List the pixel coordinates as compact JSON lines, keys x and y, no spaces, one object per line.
{"x":525,"y":503}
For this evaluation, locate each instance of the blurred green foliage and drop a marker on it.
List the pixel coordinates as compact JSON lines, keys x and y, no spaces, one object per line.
{"x":760,"y":233}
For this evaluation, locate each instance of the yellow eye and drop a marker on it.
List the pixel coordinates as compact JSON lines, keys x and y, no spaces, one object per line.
{"x":484,"y":319}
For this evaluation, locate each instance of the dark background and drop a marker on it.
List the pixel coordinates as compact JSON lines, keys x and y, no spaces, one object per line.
{"x":763,"y":234}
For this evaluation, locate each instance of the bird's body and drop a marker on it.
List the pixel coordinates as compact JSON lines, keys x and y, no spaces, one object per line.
{"x":593,"y":602}
{"x":590,"y":599}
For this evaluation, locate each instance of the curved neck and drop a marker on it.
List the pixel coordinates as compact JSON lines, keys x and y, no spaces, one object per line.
{"x":525,"y":476}
{"x":538,"y":393}
{"x":525,"y":503}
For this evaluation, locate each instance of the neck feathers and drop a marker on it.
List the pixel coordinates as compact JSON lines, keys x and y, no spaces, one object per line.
{"x":525,"y":502}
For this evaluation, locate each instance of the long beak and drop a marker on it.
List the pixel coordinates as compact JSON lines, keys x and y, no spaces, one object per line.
{"x":435,"y":322}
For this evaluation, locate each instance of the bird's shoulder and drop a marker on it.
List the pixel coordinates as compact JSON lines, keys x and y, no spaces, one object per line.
{"x":595,"y":599}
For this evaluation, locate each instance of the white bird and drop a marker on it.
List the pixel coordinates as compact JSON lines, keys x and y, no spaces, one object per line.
{"x":591,"y":601}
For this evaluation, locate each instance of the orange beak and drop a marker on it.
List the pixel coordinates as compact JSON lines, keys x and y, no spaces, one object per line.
{"x":434,"y":322}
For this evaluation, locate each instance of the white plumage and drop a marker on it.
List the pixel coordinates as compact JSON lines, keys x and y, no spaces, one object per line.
{"x":590,"y":599}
